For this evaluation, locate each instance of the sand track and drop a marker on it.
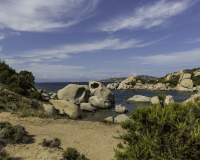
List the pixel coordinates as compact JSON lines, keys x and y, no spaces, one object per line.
{"x":93,"y":139}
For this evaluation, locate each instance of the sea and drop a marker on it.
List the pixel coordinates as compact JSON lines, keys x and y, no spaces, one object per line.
{"x":121,"y":97}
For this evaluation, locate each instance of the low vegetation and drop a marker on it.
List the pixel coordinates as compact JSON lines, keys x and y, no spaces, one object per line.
{"x":162,"y":132}
{"x":51,"y":143}
{"x":73,"y":154}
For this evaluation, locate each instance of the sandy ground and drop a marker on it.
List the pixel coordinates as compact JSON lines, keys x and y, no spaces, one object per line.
{"x":93,"y":139}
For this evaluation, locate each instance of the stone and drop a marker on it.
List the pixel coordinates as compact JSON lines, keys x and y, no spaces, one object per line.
{"x":139,"y":98}
{"x":168,"y":99}
{"x":69,"y":108}
{"x":120,"y":109}
{"x":192,"y":98}
{"x":99,"y":90}
{"x":112,"y":86}
{"x":74,"y":91}
{"x":45,"y":96}
{"x":109,"y":119}
{"x":99,"y":102}
{"x":87,"y":107}
{"x":49,"y":109}
{"x":197,"y":74}
{"x":180,"y":72}
{"x":159,"y":87}
{"x":121,"y":118}
{"x":125,"y":84}
{"x":185,"y":85}
{"x":54,"y":96}
{"x":186,"y":76}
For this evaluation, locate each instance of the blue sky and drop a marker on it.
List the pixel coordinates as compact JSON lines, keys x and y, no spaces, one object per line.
{"x":67,"y":40}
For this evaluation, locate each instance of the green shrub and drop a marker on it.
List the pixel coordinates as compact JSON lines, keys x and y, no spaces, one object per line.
{"x":161,"y":98}
{"x":36,"y":95}
{"x":169,"y":132}
{"x":4,"y":155}
{"x":173,"y":81}
{"x":72,"y":154}
{"x":120,"y":145}
{"x":141,"y":80}
{"x":132,"y":83}
{"x":51,"y":143}
{"x":13,"y":134}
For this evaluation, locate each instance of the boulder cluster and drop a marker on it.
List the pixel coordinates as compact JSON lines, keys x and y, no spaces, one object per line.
{"x":73,"y":98}
{"x":184,"y":83}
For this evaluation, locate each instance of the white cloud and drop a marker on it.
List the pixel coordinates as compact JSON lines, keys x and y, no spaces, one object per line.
{"x":148,"y":16}
{"x":61,"y":52}
{"x":2,"y":37}
{"x":192,"y":41}
{"x":45,"y":15}
{"x":177,"y":58}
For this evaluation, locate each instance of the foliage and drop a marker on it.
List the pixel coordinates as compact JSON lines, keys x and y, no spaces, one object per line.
{"x":51,"y":143}
{"x":173,"y":81}
{"x":119,"y":145}
{"x":17,"y":82}
{"x":13,"y":134}
{"x":197,"y":99}
{"x":36,"y":95}
{"x":141,"y":80}
{"x":161,"y":98}
{"x":132,"y":83}
{"x":196,"y":80}
{"x":72,"y":154}
{"x":4,"y":155}
{"x":169,"y":132}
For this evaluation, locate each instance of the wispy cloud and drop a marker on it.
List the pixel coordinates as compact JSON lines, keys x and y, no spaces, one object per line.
{"x":63,"y":51}
{"x":177,"y":58}
{"x":148,"y":16}
{"x":192,"y":41}
{"x":2,"y":37}
{"x":45,"y":15}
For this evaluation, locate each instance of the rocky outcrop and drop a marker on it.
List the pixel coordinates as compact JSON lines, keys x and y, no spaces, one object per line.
{"x":79,"y":93}
{"x":192,"y":98}
{"x":139,"y":98}
{"x":67,"y":107}
{"x":99,"y":102}
{"x":197,"y":73}
{"x":87,"y":107}
{"x":49,"y":109}
{"x":168,"y":99}
{"x":121,"y":118}
{"x":109,"y":119}
{"x":120,"y":109}
{"x":99,"y":90}
{"x":113,"y":86}
{"x":126,"y":83}
{"x":185,"y":83}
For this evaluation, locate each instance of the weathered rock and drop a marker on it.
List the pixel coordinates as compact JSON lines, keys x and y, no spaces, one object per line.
{"x":49,"y":109}
{"x":69,"y":108}
{"x":125,"y":84}
{"x":121,"y":118}
{"x":186,"y":76}
{"x":54,"y":96}
{"x":99,"y":90}
{"x":185,"y":85}
{"x":197,"y":73}
{"x":192,"y":98}
{"x":120,"y":109}
{"x":80,"y":93}
{"x":99,"y":102}
{"x":113,"y":86}
{"x":109,"y":119}
{"x":87,"y":107}
{"x":180,"y":72}
{"x":168,"y":99}
{"x":45,"y":96}
{"x":170,"y":75}
{"x":159,"y":87}
{"x":139,"y":98}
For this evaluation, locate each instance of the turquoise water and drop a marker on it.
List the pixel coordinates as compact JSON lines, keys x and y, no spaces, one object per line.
{"x":121,"y":97}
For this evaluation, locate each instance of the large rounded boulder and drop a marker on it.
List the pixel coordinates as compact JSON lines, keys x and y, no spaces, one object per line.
{"x":99,"y":102}
{"x":139,"y":98}
{"x":168,"y":99}
{"x":99,"y":90}
{"x":79,"y":93}
{"x":69,"y":108}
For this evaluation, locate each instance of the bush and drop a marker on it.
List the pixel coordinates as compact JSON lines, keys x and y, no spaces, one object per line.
{"x":13,"y":134}
{"x":141,"y":80}
{"x":4,"y":155}
{"x":36,"y":95}
{"x":51,"y":143}
{"x":72,"y":154}
{"x":161,"y":98}
{"x":169,"y":132}
{"x":120,"y":145}
{"x":173,"y":81}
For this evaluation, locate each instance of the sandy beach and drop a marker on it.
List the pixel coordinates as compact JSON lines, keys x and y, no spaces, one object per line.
{"x":93,"y":139}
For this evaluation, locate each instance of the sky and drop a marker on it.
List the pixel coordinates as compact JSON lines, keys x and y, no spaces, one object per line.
{"x":83,"y":40}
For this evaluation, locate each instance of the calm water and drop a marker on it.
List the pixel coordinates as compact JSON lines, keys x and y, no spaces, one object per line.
{"x":121,"y":97}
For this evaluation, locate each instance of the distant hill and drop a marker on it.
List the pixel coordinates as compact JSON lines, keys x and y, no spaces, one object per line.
{"x":145,"y":77}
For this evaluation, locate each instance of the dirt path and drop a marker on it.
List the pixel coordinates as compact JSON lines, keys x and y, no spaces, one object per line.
{"x":93,"y":139}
